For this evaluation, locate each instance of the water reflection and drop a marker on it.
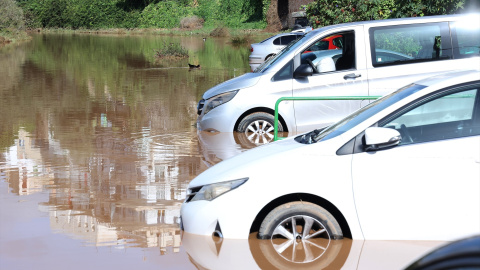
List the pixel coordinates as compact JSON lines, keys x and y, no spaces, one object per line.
{"x":215,"y":253}
{"x":107,"y":132}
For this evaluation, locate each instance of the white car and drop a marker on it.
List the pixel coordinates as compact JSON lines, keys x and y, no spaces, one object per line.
{"x":404,"y":167}
{"x":260,"y":52}
{"x":375,"y":58}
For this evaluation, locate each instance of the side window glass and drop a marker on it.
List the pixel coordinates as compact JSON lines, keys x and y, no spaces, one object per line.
{"x":331,"y":53}
{"x":445,"y":117}
{"x":392,"y":45}
{"x":285,"y":73}
{"x":277,"y":41}
{"x":288,"y":39}
{"x":466,"y":38}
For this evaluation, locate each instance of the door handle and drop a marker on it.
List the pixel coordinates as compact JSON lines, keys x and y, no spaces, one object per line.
{"x":352,"y":76}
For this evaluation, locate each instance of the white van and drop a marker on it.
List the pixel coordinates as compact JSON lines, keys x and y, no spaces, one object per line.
{"x":375,"y":57}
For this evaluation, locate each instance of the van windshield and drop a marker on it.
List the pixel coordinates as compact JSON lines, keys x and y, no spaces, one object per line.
{"x":265,"y":65}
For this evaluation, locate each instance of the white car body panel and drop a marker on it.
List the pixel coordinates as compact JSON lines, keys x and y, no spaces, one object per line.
{"x":379,"y":180}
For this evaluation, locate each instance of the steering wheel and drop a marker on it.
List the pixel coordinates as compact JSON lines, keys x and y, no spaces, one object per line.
{"x":405,"y":134}
{"x":315,"y":70}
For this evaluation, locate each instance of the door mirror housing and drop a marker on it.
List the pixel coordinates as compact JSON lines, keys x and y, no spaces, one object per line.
{"x":304,"y":70}
{"x":377,"y":138}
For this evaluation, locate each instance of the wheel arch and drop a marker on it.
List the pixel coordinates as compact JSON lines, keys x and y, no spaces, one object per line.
{"x":261,"y":109}
{"x":295,"y":197}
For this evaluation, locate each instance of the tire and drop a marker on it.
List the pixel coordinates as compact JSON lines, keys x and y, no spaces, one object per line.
{"x":258,"y":127}
{"x":277,"y":224}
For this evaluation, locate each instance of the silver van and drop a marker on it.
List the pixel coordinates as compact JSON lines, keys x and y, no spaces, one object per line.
{"x":375,"y":58}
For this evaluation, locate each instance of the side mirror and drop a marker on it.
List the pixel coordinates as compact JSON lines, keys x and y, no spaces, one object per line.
{"x":377,"y":138}
{"x":304,"y":70}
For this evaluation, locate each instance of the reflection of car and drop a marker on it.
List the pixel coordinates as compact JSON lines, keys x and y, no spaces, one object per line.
{"x":409,"y":158}
{"x":207,"y":252}
{"x":235,"y":105}
{"x":259,"y":52}
{"x":461,"y":254}
{"x":219,"y":146}
{"x":216,"y":253}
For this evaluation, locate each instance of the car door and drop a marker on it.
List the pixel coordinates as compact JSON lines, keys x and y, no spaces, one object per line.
{"x":428,"y":187}
{"x":345,"y":80}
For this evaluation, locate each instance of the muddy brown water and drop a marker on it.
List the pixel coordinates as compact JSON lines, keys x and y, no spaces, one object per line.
{"x":97,"y":146}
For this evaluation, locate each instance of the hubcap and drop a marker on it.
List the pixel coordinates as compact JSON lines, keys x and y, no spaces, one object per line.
{"x":259,"y":132}
{"x":300,"y":239}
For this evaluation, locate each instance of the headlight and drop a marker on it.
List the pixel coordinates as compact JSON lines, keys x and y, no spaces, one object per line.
{"x":218,"y":100}
{"x":212,"y":191}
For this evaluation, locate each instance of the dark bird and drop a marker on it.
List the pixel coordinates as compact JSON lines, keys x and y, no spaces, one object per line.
{"x":193,"y":66}
{"x":204,"y":39}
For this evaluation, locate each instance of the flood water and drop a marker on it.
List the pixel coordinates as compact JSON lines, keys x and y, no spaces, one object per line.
{"x":97,"y":146}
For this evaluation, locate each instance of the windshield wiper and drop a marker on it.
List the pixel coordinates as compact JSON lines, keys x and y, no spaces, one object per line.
{"x":309,"y":138}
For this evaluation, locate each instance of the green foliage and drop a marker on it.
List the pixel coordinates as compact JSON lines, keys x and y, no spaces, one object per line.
{"x":232,"y":13}
{"x":171,"y":51}
{"x":165,"y":14}
{"x":78,"y":14}
{"x":398,"y":42}
{"x":95,"y":14}
{"x":409,"y":8}
{"x":11,"y":15}
{"x":325,"y":12}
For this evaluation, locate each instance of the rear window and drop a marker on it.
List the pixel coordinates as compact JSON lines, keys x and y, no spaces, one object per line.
{"x":466,"y":39}
{"x":392,"y":45}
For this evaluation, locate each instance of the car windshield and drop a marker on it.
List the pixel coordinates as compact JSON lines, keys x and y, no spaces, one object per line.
{"x":366,"y":112}
{"x":274,"y":59}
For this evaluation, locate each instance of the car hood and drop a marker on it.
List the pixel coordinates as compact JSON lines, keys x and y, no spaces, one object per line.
{"x":268,"y":155}
{"x":244,"y":81}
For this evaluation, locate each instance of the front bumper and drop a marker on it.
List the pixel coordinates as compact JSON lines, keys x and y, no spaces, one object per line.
{"x":224,"y":214}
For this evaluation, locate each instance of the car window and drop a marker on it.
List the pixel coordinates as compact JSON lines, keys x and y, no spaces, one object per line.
{"x":389,"y":56}
{"x":419,"y":42}
{"x":324,"y":60}
{"x":288,"y":39}
{"x":445,"y":116}
{"x":367,"y":111}
{"x":285,"y":73}
{"x":466,"y":38}
{"x":277,"y":41}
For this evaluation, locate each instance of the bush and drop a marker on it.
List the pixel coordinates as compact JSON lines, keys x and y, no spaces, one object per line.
{"x":192,"y":22}
{"x":324,"y":12}
{"x":408,"y":8}
{"x":240,"y":40}
{"x":11,"y":15}
{"x":165,"y":14}
{"x":171,"y":51}
{"x":78,"y":14}
{"x":220,"y":32}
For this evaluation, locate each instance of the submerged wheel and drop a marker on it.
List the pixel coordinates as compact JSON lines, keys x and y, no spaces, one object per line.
{"x":298,"y":225}
{"x":258,"y":127}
